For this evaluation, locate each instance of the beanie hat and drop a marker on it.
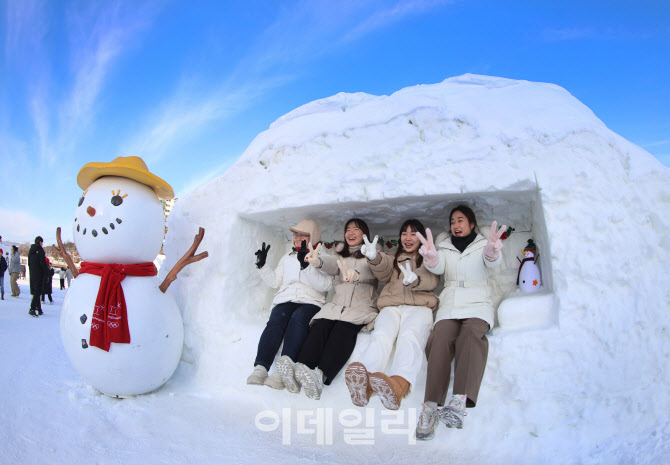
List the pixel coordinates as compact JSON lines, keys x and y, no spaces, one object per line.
{"x":310,"y":227}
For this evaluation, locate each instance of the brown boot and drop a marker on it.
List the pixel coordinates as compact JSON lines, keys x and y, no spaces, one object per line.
{"x":356,"y":377}
{"x":390,"y":390}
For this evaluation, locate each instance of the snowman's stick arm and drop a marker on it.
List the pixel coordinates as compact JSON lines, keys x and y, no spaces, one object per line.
{"x":188,"y":258}
{"x":60,"y":248}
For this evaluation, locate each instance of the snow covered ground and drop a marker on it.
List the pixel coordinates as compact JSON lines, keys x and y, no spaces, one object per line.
{"x":50,"y":416}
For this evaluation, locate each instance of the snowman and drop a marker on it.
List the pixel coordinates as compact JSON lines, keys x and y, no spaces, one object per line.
{"x":528,"y":277}
{"x":120,"y":330}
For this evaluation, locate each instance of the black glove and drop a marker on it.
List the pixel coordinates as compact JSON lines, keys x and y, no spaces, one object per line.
{"x":302,"y":253}
{"x":262,"y":255}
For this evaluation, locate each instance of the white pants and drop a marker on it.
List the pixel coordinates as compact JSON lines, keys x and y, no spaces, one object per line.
{"x":409,"y":327}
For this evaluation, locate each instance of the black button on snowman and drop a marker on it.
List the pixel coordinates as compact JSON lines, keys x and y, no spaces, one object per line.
{"x":116,"y":309}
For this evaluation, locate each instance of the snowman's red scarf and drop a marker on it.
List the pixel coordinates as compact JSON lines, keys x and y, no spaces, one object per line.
{"x":110,"y":318}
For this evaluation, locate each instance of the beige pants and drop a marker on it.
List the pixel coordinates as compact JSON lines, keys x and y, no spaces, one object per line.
{"x":15,"y":287}
{"x":462,"y":340}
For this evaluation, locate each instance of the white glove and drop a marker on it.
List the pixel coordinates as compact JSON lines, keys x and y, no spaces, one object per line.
{"x":494,"y":245}
{"x":369,"y":249}
{"x":427,"y":250}
{"x":408,"y":276}
{"x":348,"y":274}
{"x":313,"y":256}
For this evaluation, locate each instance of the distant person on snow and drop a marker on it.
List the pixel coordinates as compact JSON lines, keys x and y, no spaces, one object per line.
{"x":68,"y":276}
{"x":61,"y":276}
{"x":14,"y":270}
{"x":334,"y":330}
{"x":464,"y":317}
{"x":3,"y":268}
{"x":47,"y":287}
{"x":37,"y":264}
{"x":406,"y":315}
{"x":302,"y":292}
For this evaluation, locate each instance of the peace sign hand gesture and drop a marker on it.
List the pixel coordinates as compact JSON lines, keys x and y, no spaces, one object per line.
{"x":427,"y":249}
{"x":408,"y":276}
{"x":313,"y":256}
{"x":348,"y":274}
{"x":262,"y":255}
{"x":369,"y":249}
{"x":494,"y":245}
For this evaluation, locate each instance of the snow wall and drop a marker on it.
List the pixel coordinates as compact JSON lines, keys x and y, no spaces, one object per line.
{"x":580,"y":365}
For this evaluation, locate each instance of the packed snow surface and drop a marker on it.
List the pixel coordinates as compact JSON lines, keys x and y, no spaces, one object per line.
{"x":577,"y":373}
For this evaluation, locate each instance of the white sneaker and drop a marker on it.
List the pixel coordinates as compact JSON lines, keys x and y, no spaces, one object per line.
{"x":285,"y":369}
{"x":311,"y":380}
{"x":452,"y":415}
{"x":258,"y":375}
{"x":425,"y":429}
{"x":274,"y":381}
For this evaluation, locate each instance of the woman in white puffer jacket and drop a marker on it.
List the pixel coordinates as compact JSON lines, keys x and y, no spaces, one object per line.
{"x":463,"y":318}
{"x":302,"y":293}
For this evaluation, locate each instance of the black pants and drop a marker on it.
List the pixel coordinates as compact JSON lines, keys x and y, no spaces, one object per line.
{"x":328,"y":346}
{"x":62,"y":283}
{"x":35,"y":304}
{"x":50,"y":299}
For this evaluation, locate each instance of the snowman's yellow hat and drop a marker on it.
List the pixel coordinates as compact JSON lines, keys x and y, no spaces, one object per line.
{"x":126,"y":167}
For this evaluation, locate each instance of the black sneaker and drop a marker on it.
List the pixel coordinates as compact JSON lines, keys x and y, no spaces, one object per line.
{"x":40,"y":312}
{"x":31,"y":312}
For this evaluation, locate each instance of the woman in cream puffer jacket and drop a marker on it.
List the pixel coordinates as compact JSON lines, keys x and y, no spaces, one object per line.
{"x":463,"y":318}
{"x":334,"y":330}
{"x":406,"y":307}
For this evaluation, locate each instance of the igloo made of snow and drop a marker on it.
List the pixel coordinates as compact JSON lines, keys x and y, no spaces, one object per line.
{"x":526,"y":154}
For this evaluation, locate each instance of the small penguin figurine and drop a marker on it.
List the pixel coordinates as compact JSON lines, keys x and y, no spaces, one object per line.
{"x":528,"y":277}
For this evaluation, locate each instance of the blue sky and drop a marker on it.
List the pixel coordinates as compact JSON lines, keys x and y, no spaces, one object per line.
{"x":188,"y":85}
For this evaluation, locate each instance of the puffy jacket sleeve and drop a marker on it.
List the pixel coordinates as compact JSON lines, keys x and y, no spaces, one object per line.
{"x":382,"y":267}
{"x":273,"y":278}
{"x":315,"y":279}
{"x":329,"y":264}
{"x":427,"y":281}
{"x":441,"y":264}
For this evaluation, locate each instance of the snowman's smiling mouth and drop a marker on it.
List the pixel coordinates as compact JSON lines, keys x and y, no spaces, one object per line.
{"x":94,"y":232}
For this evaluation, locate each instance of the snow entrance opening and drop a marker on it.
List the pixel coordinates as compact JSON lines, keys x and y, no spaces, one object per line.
{"x":520,"y":209}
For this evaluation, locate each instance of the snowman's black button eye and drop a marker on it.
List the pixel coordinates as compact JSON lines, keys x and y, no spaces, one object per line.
{"x":81,"y":200}
{"x":117,"y":200}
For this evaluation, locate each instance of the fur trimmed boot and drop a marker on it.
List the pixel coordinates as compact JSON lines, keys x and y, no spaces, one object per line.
{"x":356,"y":378}
{"x":390,"y":390}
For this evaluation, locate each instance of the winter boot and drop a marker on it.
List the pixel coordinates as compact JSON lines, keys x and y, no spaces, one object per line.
{"x":274,"y":381}
{"x":358,"y":382}
{"x":40,"y":312}
{"x":452,"y":415}
{"x":425,"y":429}
{"x":31,"y":312}
{"x":285,"y":369}
{"x":258,"y":375}
{"x":311,"y":380}
{"x":390,"y":390}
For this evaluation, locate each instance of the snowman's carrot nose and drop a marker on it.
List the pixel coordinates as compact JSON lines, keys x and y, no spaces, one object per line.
{"x":90,"y":211}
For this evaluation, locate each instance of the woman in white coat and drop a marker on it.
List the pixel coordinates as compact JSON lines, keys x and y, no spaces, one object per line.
{"x":302,"y":293}
{"x":462,"y":320}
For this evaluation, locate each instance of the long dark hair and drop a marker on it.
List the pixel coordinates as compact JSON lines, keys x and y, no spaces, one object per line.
{"x":363,"y":227}
{"x":467,"y":211}
{"x":415,"y":225}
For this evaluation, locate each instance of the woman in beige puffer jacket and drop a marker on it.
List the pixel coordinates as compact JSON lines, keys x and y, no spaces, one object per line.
{"x":334,"y":330}
{"x":406,"y":307}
